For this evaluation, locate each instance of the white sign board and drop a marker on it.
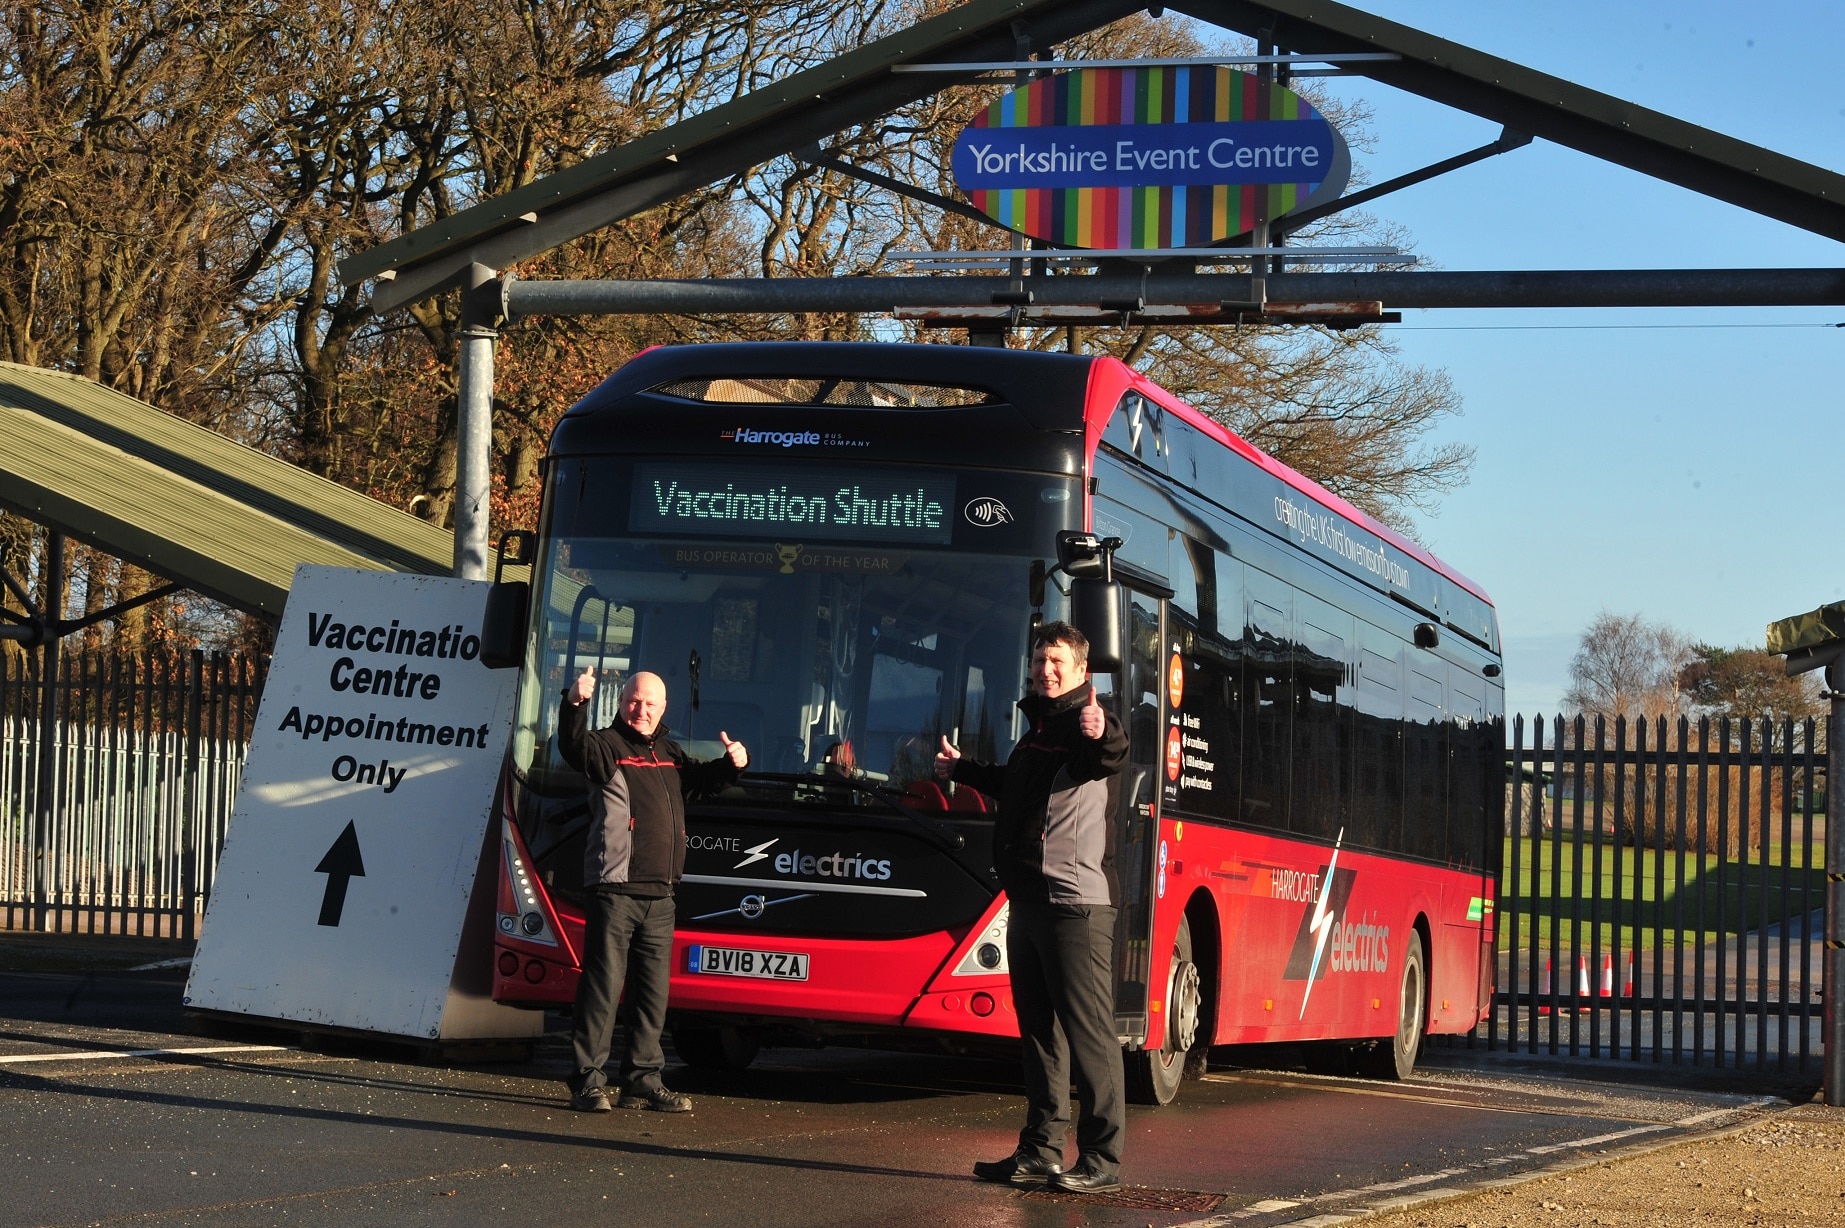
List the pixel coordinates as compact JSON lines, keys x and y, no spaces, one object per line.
{"x":343,"y":889}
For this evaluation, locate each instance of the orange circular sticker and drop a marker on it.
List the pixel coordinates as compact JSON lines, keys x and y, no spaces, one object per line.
{"x":1175,"y":754}
{"x":1175,"y":680}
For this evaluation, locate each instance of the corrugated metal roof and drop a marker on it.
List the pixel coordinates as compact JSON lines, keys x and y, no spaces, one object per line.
{"x":184,"y":502}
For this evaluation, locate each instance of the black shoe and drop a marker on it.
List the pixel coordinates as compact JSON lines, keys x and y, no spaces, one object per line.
{"x":1019,"y":1168}
{"x":1084,"y":1179}
{"x":658,"y":1099}
{"x":590,"y":1100}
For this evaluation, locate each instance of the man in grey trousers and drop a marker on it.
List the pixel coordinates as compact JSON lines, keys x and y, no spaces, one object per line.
{"x":639,"y":781}
{"x":1054,"y":851}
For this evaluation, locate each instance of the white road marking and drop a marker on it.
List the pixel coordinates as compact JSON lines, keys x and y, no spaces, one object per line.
{"x":94,"y":1054}
{"x":1405,"y":1183}
{"x":1404,"y":1201}
{"x":1254,"y":1208}
{"x":1547,"y":1148}
{"x":1697,"y":1119}
{"x":1386,"y":1094}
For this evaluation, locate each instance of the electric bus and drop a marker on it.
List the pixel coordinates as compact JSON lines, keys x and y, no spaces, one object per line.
{"x":835,"y":554}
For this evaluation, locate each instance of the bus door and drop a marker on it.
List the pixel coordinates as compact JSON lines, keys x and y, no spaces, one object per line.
{"x":1139,"y":698}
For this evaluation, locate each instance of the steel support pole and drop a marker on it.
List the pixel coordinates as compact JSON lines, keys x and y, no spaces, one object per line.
{"x":45,"y":801}
{"x":474,"y":421}
{"x":1164,"y":283}
{"x":1833,"y":980}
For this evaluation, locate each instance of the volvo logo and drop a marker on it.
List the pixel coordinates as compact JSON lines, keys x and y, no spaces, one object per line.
{"x":987,"y":512}
{"x":751,"y":907}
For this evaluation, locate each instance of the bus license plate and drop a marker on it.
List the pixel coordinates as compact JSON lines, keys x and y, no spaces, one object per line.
{"x":734,"y":961}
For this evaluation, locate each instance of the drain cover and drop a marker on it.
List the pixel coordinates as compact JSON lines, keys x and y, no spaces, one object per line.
{"x":1138,"y":1197}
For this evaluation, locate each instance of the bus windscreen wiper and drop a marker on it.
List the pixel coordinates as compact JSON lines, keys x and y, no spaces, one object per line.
{"x":949,"y":838}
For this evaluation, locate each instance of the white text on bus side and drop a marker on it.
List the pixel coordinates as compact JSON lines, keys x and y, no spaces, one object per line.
{"x":1293,"y":885}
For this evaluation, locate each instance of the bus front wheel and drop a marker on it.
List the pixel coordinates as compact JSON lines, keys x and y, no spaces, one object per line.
{"x":1395,"y":1058}
{"x":1154,"y":1075}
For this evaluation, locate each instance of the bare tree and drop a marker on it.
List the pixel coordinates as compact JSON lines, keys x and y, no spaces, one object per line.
{"x":1626,"y":665}
{"x":179,"y":179}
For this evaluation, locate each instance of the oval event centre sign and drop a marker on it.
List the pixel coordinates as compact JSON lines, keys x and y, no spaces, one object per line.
{"x":1147,"y":157}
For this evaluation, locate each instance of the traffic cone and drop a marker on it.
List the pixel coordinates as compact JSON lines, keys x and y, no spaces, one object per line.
{"x":1583,"y":997}
{"x":1627,"y":991}
{"x":1544,"y":993}
{"x":1607,"y":975}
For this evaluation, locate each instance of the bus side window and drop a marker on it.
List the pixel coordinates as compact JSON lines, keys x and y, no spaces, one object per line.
{"x":1470,"y":764}
{"x":1377,"y":801}
{"x":1194,"y":583}
{"x":1268,"y":698}
{"x":1210,"y":698}
{"x":1425,"y":801}
{"x":1323,"y":721}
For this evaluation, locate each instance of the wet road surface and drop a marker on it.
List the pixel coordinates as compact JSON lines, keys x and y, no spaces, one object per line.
{"x":111,"y":1112}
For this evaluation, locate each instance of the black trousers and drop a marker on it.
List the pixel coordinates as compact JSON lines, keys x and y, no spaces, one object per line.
{"x":626,"y":939}
{"x":1062,"y":958}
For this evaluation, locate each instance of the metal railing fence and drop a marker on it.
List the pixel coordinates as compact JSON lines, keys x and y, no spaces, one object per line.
{"x":1659,"y":897}
{"x":1662,"y":891}
{"x":117,"y":779}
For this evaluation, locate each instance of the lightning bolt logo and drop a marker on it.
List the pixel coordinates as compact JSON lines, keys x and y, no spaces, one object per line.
{"x":1321,"y":924}
{"x":756,"y":854}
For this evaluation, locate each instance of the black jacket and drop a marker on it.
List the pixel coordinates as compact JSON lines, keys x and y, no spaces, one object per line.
{"x":638,"y":789}
{"x":1054,"y":838}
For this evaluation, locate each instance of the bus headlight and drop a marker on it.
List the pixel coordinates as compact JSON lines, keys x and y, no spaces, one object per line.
{"x":988,"y":954}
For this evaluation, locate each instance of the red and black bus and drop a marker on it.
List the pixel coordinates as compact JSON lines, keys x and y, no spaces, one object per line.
{"x":835,"y":552}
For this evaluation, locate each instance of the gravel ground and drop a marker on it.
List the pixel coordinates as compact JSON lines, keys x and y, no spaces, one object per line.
{"x":1785,"y":1169}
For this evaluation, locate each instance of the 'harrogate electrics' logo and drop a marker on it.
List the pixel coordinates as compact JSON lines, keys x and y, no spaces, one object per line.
{"x":1329,"y":941}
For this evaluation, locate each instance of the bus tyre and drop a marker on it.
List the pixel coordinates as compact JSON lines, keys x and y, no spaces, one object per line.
{"x":716,"y":1048}
{"x":1154,"y":1075}
{"x":1396,"y":1058}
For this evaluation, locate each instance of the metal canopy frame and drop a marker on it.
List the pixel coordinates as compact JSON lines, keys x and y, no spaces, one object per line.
{"x":467,"y":250}
{"x":713,"y":145}
{"x":812,"y":105}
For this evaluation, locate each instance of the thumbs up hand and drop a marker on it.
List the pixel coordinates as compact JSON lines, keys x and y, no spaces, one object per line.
{"x":1090,"y":720}
{"x":738,"y":755}
{"x":582,"y":686}
{"x":945,"y":760}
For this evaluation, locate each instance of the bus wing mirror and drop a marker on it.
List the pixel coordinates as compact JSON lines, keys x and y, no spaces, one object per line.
{"x":1095,"y":608}
{"x":1085,"y":554}
{"x":502,"y":623}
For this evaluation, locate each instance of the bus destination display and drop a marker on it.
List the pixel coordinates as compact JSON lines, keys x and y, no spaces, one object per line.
{"x":779,"y":501}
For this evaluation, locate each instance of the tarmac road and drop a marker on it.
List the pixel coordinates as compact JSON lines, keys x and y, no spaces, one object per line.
{"x":110,"y":1114}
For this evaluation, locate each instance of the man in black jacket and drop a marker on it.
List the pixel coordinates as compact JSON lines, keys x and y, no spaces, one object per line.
{"x":638,"y":784}
{"x":1054,"y":851}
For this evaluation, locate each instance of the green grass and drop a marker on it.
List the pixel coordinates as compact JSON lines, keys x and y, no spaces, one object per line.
{"x":1547,"y":894}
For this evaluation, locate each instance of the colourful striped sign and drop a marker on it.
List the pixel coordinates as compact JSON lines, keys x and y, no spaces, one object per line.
{"x":1147,"y":157}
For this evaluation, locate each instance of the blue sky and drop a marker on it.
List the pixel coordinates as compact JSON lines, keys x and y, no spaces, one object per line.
{"x":1626,"y":460}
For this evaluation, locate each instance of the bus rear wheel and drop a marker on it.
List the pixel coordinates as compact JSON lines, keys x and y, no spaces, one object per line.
{"x":716,"y":1048}
{"x":1395,"y":1058}
{"x":1154,"y":1075}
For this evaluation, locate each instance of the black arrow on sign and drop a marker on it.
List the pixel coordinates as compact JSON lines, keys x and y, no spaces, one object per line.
{"x":340,"y":865}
